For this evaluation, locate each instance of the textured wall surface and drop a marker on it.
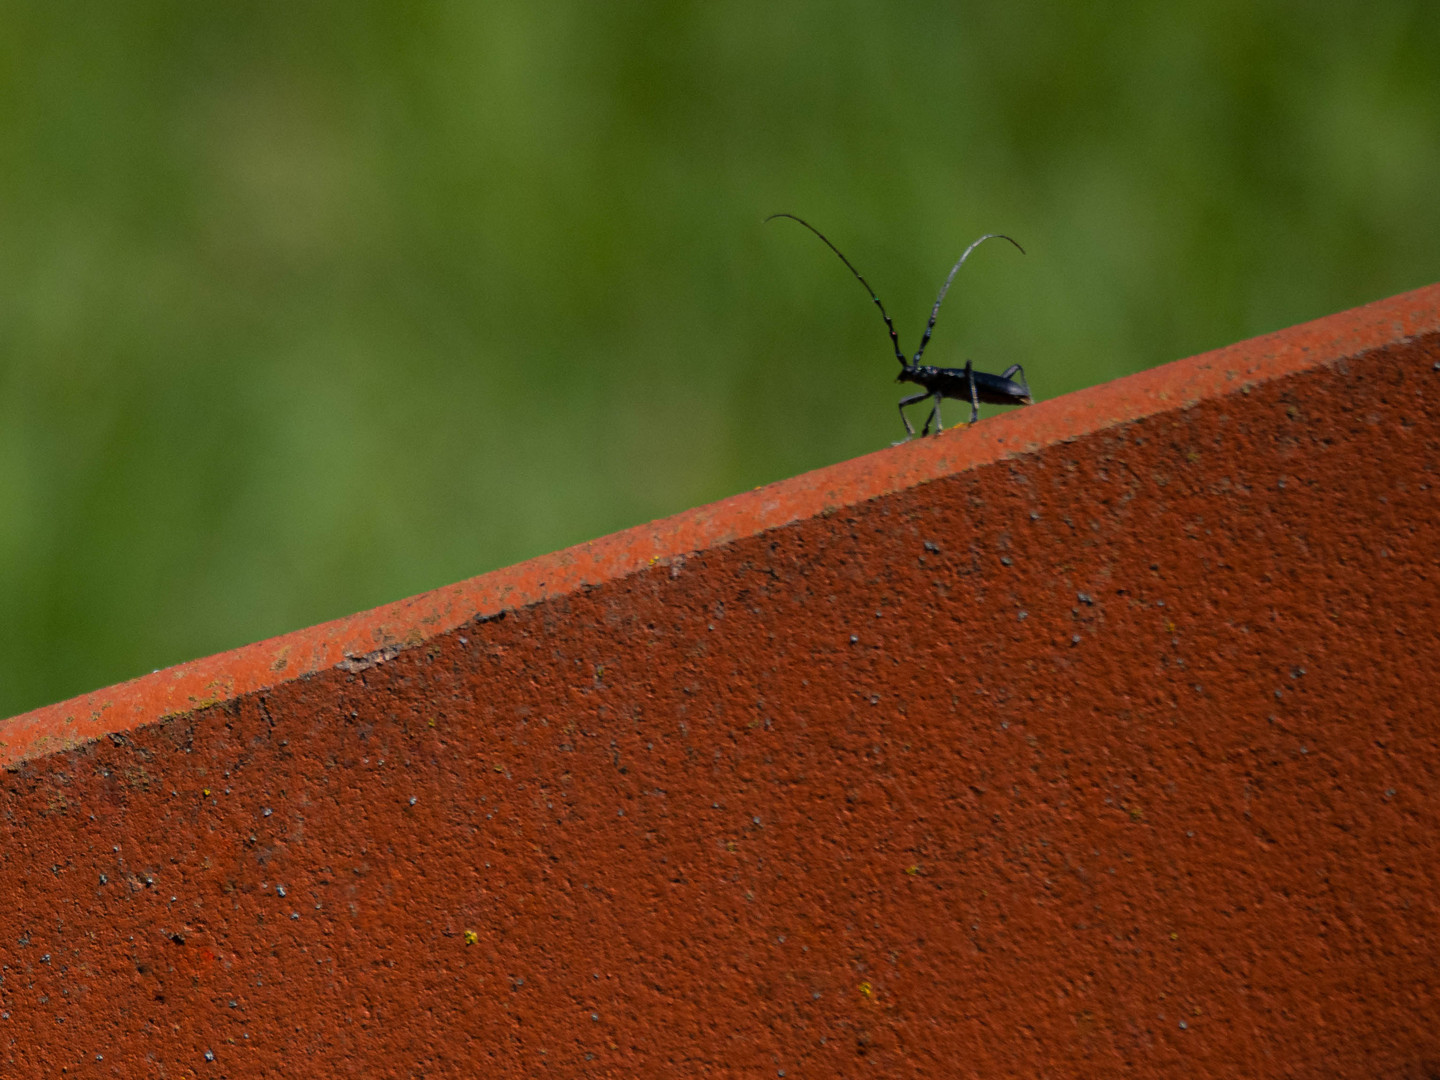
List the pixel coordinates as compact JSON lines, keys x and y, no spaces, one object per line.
{"x":1101,"y":738}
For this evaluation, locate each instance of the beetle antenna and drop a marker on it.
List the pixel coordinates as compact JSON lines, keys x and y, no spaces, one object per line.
{"x":935,"y":311}
{"x":894,"y":338}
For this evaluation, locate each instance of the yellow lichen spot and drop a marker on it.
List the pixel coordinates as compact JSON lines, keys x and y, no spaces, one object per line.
{"x":1169,"y":627}
{"x":432,"y":723}
{"x":206,"y":792}
{"x":1136,"y":814}
{"x":1193,"y":456}
{"x":912,"y":870}
{"x":1174,"y":936}
{"x":867,"y":989}
{"x":471,"y":937}
{"x":499,"y":768}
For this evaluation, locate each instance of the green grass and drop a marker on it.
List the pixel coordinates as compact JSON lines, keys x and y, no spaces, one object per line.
{"x":304,"y":308}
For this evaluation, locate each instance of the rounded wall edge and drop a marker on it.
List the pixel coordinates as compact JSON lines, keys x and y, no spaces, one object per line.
{"x":371,"y":637}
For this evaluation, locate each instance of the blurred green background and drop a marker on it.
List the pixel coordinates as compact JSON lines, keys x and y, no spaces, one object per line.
{"x":308,"y":307}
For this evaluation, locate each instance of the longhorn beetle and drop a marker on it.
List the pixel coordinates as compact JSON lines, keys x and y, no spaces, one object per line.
{"x":961,"y":384}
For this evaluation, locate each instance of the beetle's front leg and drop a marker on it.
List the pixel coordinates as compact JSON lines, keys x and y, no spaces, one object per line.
{"x":910,"y":431}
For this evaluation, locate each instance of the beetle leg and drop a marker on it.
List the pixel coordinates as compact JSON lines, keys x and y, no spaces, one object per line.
{"x":911,"y":400}
{"x":1011,"y":370}
{"x":974,"y":394}
{"x":934,"y":417}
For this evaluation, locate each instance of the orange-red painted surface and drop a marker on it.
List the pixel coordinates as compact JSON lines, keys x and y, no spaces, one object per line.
{"x":1101,"y":738}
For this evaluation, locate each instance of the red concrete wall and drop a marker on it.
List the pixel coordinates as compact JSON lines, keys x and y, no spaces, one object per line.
{"x":1101,"y":738}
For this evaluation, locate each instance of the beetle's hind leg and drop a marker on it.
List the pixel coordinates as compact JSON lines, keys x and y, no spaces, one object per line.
{"x":974,"y":394}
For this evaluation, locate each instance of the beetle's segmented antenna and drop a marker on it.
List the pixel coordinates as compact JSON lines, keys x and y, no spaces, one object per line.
{"x":894,"y":338}
{"x":935,"y":311}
